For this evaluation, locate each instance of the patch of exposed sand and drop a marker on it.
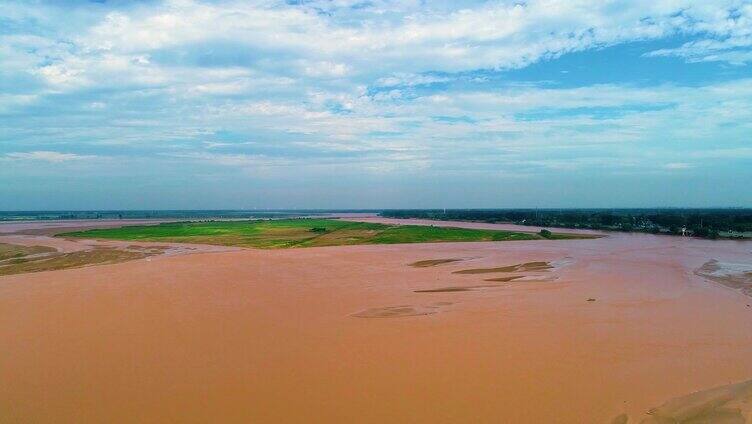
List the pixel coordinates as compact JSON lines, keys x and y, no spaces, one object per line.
{"x":398,"y":311}
{"x":270,"y":336}
{"x":446,"y":289}
{"x":63,"y":254}
{"x":432,"y":262}
{"x":733,"y":275}
{"x":57,"y":261}
{"x":74,"y":253}
{"x":458,"y":288}
{"x":526,"y":267}
{"x":505,"y":279}
{"x":728,"y":404}
{"x":60,"y":245}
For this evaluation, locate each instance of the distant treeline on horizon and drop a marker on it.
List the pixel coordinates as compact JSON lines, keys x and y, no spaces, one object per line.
{"x":709,"y":223}
{"x":151,"y":214}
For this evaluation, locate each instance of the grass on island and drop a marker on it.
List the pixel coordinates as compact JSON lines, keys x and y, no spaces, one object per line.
{"x":304,"y":232}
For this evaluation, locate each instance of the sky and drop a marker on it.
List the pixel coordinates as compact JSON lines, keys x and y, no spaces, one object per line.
{"x":187,"y":104}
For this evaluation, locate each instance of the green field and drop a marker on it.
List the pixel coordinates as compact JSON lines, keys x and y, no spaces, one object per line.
{"x":285,"y":233}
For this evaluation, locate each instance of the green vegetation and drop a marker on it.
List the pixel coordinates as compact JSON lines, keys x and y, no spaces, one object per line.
{"x":707,"y":223}
{"x":286,"y":233}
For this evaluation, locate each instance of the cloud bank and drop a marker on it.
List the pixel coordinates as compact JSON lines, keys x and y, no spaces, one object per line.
{"x":301,"y":93}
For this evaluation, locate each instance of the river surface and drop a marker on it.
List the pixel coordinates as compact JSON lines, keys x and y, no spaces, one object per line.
{"x":610,"y":326}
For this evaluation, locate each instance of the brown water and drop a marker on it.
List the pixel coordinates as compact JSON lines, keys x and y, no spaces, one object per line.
{"x":339,"y":334}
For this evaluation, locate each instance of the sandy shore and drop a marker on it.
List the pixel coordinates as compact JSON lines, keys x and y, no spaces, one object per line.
{"x":616,"y":325}
{"x":462,"y":224}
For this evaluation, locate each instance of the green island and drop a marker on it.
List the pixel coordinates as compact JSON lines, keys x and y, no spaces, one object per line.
{"x":303,"y":232}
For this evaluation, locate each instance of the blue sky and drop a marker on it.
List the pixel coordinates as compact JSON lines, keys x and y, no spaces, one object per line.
{"x":375,"y":104}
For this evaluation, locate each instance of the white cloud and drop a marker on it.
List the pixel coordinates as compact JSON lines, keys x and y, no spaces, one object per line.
{"x":46,"y":156}
{"x":325,"y":68}
{"x":410,"y":80}
{"x":726,"y":35}
{"x":725,"y":154}
{"x":234,"y":160}
{"x":678,"y":165}
{"x":8,"y":102}
{"x":324,"y":76}
{"x":371,"y":43}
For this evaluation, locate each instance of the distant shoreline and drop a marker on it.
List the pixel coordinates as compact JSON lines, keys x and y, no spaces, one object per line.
{"x":709,"y":223}
{"x":727,"y":224}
